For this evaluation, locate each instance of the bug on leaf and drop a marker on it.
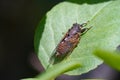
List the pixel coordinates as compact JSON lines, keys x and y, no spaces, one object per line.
{"x":68,"y":42}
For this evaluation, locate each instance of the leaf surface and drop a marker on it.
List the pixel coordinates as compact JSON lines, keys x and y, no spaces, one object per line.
{"x":104,"y":19}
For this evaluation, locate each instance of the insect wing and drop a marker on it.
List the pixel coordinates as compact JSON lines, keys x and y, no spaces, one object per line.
{"x":53,"y":55}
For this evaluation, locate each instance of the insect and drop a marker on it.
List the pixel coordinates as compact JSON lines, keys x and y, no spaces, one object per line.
{"x":68,"y":42}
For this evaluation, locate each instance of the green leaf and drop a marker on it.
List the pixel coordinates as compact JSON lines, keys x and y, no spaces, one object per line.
{"x":111,"y":58}
{"x":30,"y":79}
{"x":52,"y":72}
{"x":104,"y":17}
{"x":56,"y":70}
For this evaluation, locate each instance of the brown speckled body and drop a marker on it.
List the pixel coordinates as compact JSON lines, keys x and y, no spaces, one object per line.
{"x":68,"y":43}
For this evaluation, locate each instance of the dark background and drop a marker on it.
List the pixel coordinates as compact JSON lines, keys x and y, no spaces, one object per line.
{"x":18,"y":21}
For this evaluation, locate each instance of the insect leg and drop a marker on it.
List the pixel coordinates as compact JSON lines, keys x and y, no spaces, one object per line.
{"x":84,"y":30}
{"x":84,"y":24}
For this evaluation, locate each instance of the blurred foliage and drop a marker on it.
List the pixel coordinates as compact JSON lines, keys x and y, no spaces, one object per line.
{"x":103,"y":34}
